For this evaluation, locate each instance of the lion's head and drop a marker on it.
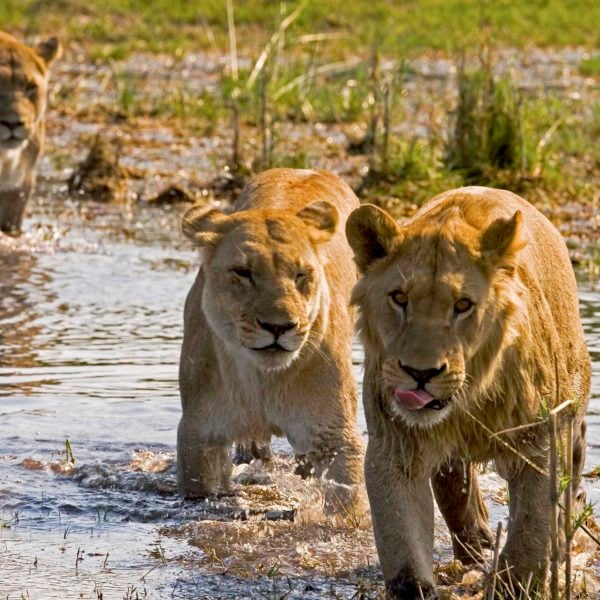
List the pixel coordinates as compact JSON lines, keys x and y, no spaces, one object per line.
{"x":437,"y":298}
{"x":265,"y":285}
{"x":23,"y":88}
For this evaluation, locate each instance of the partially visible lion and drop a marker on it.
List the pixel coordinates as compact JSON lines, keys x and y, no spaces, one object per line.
{"x":23,"y":92}
{"x":268,"y":332}
{"x":468,"y":314}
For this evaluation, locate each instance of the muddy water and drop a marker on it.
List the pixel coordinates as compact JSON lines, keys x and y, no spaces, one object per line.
{"x":90,"y":306}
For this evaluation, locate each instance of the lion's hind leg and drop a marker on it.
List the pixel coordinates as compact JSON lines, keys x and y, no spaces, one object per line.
{"x":461,"y":504}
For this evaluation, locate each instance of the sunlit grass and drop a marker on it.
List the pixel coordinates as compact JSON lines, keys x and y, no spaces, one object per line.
{"x":590,"y":67}
{"x":119,"y":26}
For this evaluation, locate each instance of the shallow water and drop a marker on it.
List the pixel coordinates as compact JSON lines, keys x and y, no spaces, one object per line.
{"x":91,"y":307}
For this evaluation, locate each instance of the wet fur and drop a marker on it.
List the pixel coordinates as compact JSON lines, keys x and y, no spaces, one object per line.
{"x":531,"y":325}
{"x":229,"y":395}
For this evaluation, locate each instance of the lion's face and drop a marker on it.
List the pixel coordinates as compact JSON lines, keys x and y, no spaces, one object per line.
{"x":431,"y":298}
{"x":264,"y":279}
{"x":23,"y":88}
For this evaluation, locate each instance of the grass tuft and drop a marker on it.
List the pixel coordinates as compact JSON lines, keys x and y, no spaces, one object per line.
{"x":487,"y":130}
{"x":590,"y":67}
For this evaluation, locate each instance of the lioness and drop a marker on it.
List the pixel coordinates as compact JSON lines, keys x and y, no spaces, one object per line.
{"x":23,"y":91}
{"x":267,"y":331}
{"x":466,"y":313}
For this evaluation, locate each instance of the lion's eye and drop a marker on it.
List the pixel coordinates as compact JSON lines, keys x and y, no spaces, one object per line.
{"x":243,"y":273}
{"x":462,"y":305}
{"x":31,"y":90}
{"x":301,"y":277}
{"x":400,"y":298}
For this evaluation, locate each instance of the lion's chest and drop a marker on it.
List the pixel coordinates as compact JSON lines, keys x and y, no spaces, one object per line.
{"x":14,"y":169}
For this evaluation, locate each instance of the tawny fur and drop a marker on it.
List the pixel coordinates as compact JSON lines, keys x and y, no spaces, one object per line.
{"x":499,"y":371}
{"x":23,"y":92}
{"x":287,"y":229}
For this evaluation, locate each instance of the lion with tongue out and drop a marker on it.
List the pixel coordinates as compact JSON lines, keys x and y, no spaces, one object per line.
{"x":469,"y":318}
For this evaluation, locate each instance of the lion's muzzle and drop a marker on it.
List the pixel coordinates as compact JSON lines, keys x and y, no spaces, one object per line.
{"x":12,"y":133}
{"x":276,"y":341}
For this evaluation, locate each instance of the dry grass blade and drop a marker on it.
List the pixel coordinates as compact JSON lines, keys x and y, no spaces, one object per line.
{"x":236,"y":155}
{"x":519,"y":428}
{"x":527,"y":587}
{"x":568,"y":509}
{"x":328,"y":69}
{"x":264,"y":55}
{"x":544,"y":141}
{"x":553,"y":485}
{"x":387,"y":105}
{"x":233,"y":61}
{"x":472,"y":552}
{"x":553,"y":508}
{"x":208,"y":33}
{"x":264,"y":123}
{"x":495,"y":560}
{"x":584,"y":528}
{"x":561,"y":407}
{"x":507,"y":445}
{"x":506,"y":589}
{"x":309,"y":38}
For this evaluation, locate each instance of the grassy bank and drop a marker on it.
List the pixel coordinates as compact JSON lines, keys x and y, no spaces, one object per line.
{"x":385,"y":77}
{"x":115,"y":27}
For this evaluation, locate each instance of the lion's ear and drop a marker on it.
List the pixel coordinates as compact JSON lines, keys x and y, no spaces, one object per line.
{"x":502,"y":241}
{"x":322,"y":217}
{"x":372,"y":234}
{"x":49,"y":50}
{"x":203,"y":226}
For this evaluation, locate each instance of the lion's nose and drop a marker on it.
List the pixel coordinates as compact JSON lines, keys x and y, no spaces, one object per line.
{"x":422,"y":376}
{"x":12,"y":123}
{"x":277,"y":329}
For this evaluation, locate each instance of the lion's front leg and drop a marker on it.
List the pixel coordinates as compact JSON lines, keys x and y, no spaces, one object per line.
{"x":339,"y":460}
{"x":12,"y":207}
{"x":460,"y":502}
{"x":526,"y":552}
{"x":335,"y":455}
{"x":202,"y":469}
{"x":402,"y":513}
{"x":321,"y":428}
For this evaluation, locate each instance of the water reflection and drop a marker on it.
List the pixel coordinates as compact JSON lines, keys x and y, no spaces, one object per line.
{"x":23,"y":336}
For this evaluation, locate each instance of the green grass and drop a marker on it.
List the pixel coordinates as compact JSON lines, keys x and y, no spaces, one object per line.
{"x":116,"y":27}
{"x":527,"y":144}
{"x":542,"y":147}
{"x":590,"y":67}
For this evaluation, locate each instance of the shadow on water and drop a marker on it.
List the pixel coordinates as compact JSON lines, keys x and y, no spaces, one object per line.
{"x":90,"y":328}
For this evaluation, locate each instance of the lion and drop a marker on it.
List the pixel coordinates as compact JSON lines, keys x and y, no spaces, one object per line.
{"x":469,"y":318}
{"x":23,"y":92}
{"x":268,"y":333}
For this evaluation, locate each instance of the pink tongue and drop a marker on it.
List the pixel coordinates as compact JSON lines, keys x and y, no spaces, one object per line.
{"x":413,"y":399}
